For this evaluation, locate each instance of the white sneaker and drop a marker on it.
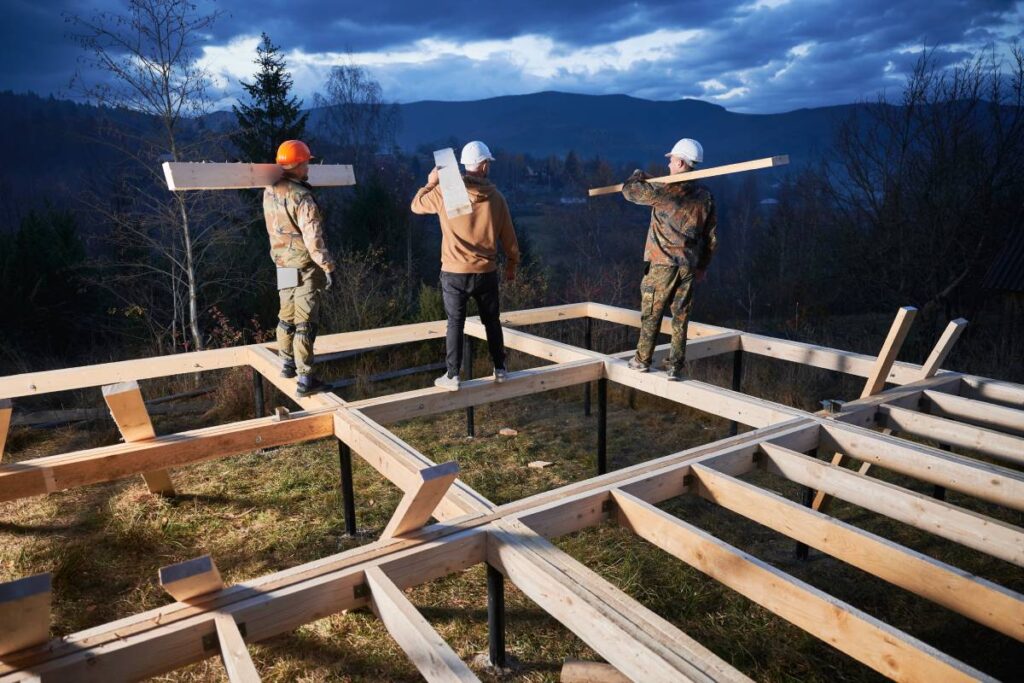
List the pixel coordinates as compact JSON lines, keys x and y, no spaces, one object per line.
{"x":500,"y":375}
{"x":446,"y":382}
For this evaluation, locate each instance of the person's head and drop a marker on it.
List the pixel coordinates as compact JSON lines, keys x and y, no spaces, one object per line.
{"x":293,"y":156}
{"x":685,"y":156}
{"x":476,"y":157}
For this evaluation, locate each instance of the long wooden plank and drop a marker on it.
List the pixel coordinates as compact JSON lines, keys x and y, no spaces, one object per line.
{"x":952,"y":433}
{"x":427,"y":650}
{"x":233,"y":651}
{"x":24,"y":612}
{"x":5,"y":423}
{"x":634,"y":640}
{"x":268,"y":364}
{"x":993,"y":390}
{"x":417,"y":505}
{"x":988,"y":415}
{"x":576,"y":671}
{"x":967,"y":528}
{"x":943,"y":347}
{"x":885,"y":649}
{"x":531,"y":344}
{"x":40,"y":476}
{"x":35,"y":383}
{"x":996,"y":484}
{"x":753,"y":165}
{"x":430,"y":401}
{"x":453,"y":189}
{"x":184,"y":175}
{"x":132,"y":418}
{"x":627,"y":316}
{"x":983,"y":601}
{"x":703,"y":347}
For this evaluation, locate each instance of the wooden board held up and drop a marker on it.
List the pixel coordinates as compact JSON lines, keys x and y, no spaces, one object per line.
{"x":453,"y":188}
{"x":767,"y":162}
{"x":183,"y":175}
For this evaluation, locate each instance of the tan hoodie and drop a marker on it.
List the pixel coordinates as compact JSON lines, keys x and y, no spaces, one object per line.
{"x":469,"y":243}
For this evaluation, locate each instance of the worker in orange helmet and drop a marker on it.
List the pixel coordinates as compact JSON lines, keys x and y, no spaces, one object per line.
{"x":304,"y":266}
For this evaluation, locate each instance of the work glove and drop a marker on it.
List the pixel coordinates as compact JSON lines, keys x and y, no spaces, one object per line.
{"x":639,"y":174}
{"x":330,"y":281}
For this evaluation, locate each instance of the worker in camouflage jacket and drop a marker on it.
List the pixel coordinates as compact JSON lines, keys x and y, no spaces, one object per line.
{"x":296,"y":231}
{"x":680,"y":242}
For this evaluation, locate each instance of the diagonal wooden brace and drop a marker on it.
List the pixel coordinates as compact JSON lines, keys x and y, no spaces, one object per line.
{"x":418,"y":504}
{"x":942,"y":347}
{"x":233,"y":651}
{"x":129,"y":412}
{"x":191,"y":578}
{"x":876,"y":381}
{"x":24,"y":612}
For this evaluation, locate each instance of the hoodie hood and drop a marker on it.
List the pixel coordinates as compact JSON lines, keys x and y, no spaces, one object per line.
{"x":479,"y":189}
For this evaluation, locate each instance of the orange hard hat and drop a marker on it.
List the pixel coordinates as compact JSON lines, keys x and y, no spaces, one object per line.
{"x":292,"y":153}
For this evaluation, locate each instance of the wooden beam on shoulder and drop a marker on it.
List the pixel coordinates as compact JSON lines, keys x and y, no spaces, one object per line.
{"x":874,"y":643}
{"x":753,"y":165}
{"x":943,"y":347}
{"x":990,"y":536}
{"x":432,"y":656}
{"x":184,"y":175}
{"x":129,"y":412}
{"x":233,"y":651}
{"x":24,"y":612}
{"x":417,"y":505}
{"x":191,"y":579}
{"x":983,"y":601}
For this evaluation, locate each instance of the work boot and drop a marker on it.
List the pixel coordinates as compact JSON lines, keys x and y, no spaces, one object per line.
{"x":308,"y":385}
{"x":500,"y":375}
{"x":634,"y":364}
{"x":677,"y":374}
{"x":288,"y":371}
{"x":446,"y":382}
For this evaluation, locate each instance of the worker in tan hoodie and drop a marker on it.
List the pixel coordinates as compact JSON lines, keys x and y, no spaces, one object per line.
{"x":469,"y":257}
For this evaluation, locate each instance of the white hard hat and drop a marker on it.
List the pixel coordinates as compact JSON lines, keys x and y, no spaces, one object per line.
{"x":475,"y":152}
{"x":688,"y":149}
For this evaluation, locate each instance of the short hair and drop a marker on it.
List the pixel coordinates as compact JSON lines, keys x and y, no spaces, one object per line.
{"x":473,"y":168}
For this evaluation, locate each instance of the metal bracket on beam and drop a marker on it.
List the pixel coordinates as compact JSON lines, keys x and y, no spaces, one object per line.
{"x":212,"y":642}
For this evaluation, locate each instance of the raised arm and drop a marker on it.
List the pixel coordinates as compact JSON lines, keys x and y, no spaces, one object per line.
{"x":636,"y":189}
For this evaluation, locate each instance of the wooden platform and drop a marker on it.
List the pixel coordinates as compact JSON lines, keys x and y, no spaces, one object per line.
{"x":982,"y":417}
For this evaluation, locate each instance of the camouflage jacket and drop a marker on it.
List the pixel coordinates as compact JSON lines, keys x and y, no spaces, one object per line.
{"x":295,"y":226}
{"x":683,"y":221}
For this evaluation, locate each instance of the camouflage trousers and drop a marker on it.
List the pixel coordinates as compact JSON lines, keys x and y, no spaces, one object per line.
{"x":663,"y":287}
{"x":297,"y":319}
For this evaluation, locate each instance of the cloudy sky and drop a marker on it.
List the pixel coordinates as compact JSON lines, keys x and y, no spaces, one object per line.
{"x":755,"y":56}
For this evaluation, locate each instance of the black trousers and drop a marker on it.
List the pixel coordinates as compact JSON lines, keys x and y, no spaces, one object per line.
{"x":457,"y":289}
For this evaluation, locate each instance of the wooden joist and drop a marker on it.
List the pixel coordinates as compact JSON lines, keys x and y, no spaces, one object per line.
{"x":983,"y":601}
{"x":5,"y":423}
{"x":191,"y":579}
{"x":956,"y":524}
{"x":453,"y":189}
{"x":432,"y":656}
{"x":943,"y":347}
{"x":767,"y":162}
{"x":417,"y":505}
{"x":233,"y":651}
{"x":577,"y":671}
{"x":129,"y":412}
{"x":988,"y":415}
{"x":988,"y":442}
{"x":872,"y":642}
{"x":24,"y":612}
{"x":184,"y":175}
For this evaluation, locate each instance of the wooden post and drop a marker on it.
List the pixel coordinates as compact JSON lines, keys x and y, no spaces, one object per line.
{"x":24,"y":612}
{"x":233,"y":651}
{"x":496,"y":617}
{"x":132,"y":418}
{"x":418,"y":504}
{"x":191,"y":578}
{"x":588,"y":345}
{"x":467,"y":371}
{"x":257,"y":393}
{"x":737,"y":383}
{"x":348,"y":500}
{"x":5,"y":423}
{"x":942,"y":347}
{"x":602,"y":426}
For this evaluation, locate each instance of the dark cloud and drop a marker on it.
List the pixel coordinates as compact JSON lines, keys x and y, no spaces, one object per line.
{"x":748,"y":57}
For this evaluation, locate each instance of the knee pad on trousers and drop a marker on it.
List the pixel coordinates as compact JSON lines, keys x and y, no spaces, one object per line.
{"x":307,"y":330}
{"x":289,"y":328}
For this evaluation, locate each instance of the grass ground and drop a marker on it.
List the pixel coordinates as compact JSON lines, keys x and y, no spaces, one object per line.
{"x":264,"y":512}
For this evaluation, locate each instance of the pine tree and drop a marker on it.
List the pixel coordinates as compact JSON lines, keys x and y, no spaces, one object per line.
{"x":271,"y":116}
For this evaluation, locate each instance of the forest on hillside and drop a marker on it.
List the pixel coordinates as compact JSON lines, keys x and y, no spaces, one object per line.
{"x":915,"y":202}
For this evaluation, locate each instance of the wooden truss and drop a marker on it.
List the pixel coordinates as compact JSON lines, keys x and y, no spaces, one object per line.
{"x":980,"y":414}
